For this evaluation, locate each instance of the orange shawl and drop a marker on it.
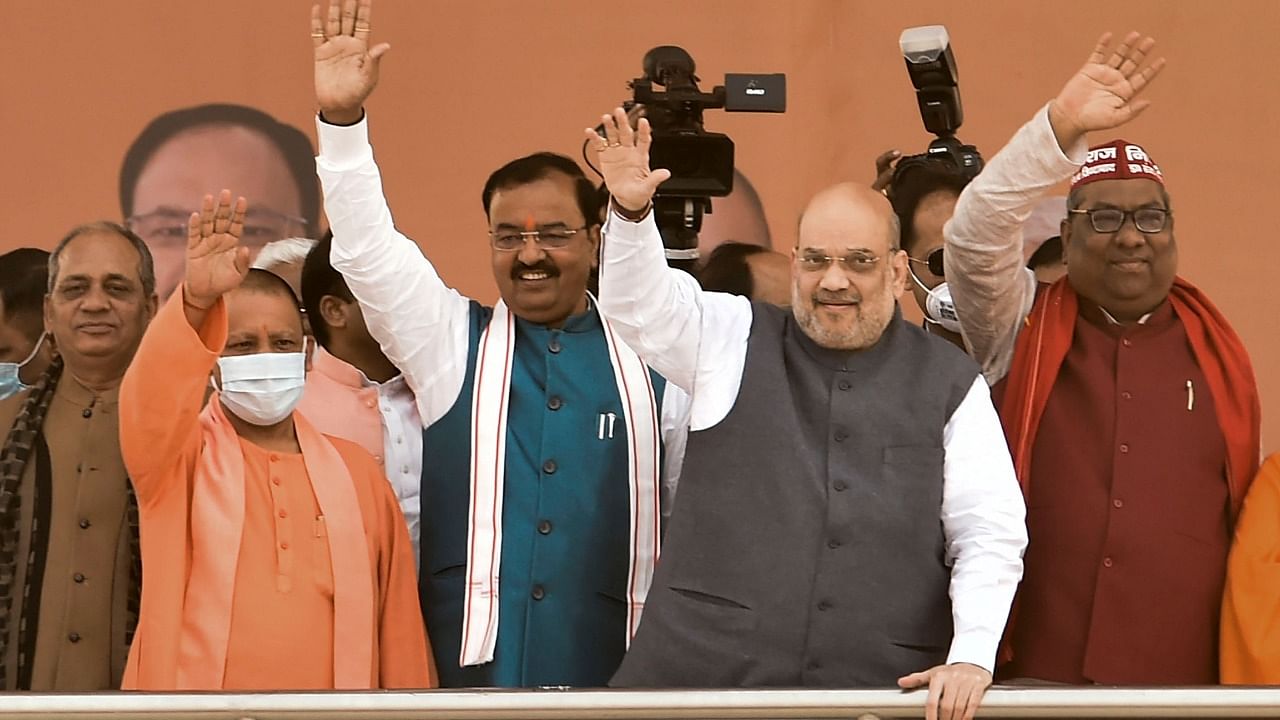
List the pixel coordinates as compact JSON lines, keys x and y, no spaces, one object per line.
{"x":1251,"y":604}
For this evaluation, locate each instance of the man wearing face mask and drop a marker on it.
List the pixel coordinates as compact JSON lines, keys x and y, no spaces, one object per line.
{"x":276,"y":557}
{"x":25,"y":352}
{"x":541,"y":488}
{"x":923,"y":194}
{"x":1128,"y":401}
{"x":69,"y":571}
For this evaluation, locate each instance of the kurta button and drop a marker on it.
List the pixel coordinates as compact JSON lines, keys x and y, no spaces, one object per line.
{"x":813,"y":665}
{"x":368,"y":403}
{"x":284,"y":513}
{"x":84,"y":523}
{"x":833,"y":543}
{"x":378,"y":458}
{"x":275,"y":481}
{"x":549,"y":467}
{"x":1118,"y":503}
{"x":824,"y":606}
{"x":74,"y":637}
{"x":1106,"y":562}
{"x":554,"y":402}
{"x":273,"y":457}
{"x":554,"y":345}
{"x":538,"y":592}
{"x":844,"y":385}
{"x":1127,"y":342}
{"x":841,"y":436}
{"x":544,"y":527}
{"x":87,"y":413}
{"x":840,"y":486}
{"x":78,"y":577}
{"x":1124,"y":448}
{"x":284,"y":546}
{"x":1126,"y":395}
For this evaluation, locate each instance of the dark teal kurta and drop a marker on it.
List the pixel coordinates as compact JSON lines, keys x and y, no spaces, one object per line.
{"x":565,"y":519}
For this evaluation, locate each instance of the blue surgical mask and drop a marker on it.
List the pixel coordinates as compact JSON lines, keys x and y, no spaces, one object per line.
{"x":10,"y":382}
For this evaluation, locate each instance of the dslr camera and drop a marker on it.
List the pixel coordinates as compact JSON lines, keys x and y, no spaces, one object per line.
{"x":932,"y":68}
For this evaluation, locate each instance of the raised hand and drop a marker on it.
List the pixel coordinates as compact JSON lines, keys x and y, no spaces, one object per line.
{"x":1102,"y":94}
{"x":346,"y":67}
{"x":884,"y":169}
{"x":624,"y":161}
{"x":215,"y":261}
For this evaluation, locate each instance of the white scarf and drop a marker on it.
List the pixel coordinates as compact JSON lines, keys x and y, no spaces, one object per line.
{"x":488,"y":462}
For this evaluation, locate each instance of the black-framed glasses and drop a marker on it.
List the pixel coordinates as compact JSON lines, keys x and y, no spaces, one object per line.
{"x":551,"y":237}
{"x":1108,"y":220}
{"x":933,"y":261}
{"x":860,"y":263}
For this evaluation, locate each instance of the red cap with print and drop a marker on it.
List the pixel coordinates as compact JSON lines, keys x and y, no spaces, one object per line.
{"x":1117,"y":160}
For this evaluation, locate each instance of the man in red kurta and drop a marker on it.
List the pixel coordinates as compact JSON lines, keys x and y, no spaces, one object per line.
{"x":275,"y":557}
{"x":1128,"y":401}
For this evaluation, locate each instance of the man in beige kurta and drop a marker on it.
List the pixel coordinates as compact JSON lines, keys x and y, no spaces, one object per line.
{"x":69,"y":570}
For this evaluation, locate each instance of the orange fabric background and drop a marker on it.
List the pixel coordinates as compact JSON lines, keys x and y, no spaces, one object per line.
{"x":468,"y":86}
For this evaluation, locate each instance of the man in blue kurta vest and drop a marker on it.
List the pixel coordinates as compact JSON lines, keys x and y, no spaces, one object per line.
{"x":540,"y":482}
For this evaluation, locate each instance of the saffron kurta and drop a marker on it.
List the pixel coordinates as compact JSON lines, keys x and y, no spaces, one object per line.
{"x":282,"y":614}
{"x":1251,"y":606}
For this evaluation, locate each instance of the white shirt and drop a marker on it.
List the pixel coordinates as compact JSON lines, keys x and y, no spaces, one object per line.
{"x":698,"y":340}
{"x":421,"y":323}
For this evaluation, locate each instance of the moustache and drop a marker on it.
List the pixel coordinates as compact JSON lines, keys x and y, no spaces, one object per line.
{"x":518,"y":268}
{"x":854,"y":298}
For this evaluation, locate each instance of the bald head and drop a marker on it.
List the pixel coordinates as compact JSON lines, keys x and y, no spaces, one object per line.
{"x":849,"y":215}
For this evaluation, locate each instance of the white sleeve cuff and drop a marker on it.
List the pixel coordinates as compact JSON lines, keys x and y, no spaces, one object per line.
{"x":976,"y":648}
{"x":343,"y":147}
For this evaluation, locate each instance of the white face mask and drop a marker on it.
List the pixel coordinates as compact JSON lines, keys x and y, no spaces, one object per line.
{"x":10,"y":382}
{"x":263,"y":388}
{"x":938,"y":308}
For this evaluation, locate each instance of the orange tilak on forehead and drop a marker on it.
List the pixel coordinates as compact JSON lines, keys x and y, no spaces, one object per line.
{"x":529,"y":223}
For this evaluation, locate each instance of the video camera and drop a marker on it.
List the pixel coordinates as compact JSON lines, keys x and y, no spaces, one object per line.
{"x":701,"y":162}
{"x":932,"y":68}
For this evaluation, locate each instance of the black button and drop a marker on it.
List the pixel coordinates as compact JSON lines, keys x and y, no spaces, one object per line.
{"x":88,"y":412}
{"x":549,"y":467}
{"x":841,"y":436}
{"x":78,"y":577}
{"x":538,"y":592}
{"x":813,"y":665}
{"x":833,"y":543}
{"x":554,"y":345}
{"x":74,"y":637}
{"x":84,"y":523}
{"x":544,"y":527}
{"x":554,"y":402}
{"x":824,"y":606}
{"x":840,"y":486}
{"x":844,"y":385}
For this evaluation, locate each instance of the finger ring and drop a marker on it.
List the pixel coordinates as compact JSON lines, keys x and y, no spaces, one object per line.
{"x":617,"y":144}
{"x":317,"y":36}
{"x":363,"y":29}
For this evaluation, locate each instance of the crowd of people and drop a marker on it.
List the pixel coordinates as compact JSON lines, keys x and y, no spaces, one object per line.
{"x":325,"y":468}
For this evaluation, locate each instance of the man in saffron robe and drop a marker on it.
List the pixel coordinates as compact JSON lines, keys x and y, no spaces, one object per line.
{"x":275,"y":557}
{"x":1128,"y":401}
{"x":1251,"y":604}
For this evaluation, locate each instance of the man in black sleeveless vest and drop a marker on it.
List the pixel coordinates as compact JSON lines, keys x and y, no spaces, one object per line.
{"x":848,"y":514}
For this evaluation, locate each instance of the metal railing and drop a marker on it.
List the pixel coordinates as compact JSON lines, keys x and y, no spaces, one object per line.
{"x":1001,"y":702}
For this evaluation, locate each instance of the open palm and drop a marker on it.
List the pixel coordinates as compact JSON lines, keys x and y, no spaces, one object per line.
{"x":624,"y":160}
{"x":346,"y":69}
{"x":215,"y":261}
{"x":1103,"y":94}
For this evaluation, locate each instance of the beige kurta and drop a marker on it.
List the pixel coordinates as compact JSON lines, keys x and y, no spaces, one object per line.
{"x":80,"y":637}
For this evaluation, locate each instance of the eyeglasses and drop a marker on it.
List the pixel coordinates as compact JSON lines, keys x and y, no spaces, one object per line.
{"x":261,"y":226}
{"x":547,"y":238}
{"x":1108,"y":220}
{"x":860,"y":263}
{"x":933,"y":261}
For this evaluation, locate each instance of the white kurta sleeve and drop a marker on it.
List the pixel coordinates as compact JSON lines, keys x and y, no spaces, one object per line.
{"x":984,"y":520}
{"x":695,"y":339}
{"x":990,"y":284}
{"x":420,"y":323}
